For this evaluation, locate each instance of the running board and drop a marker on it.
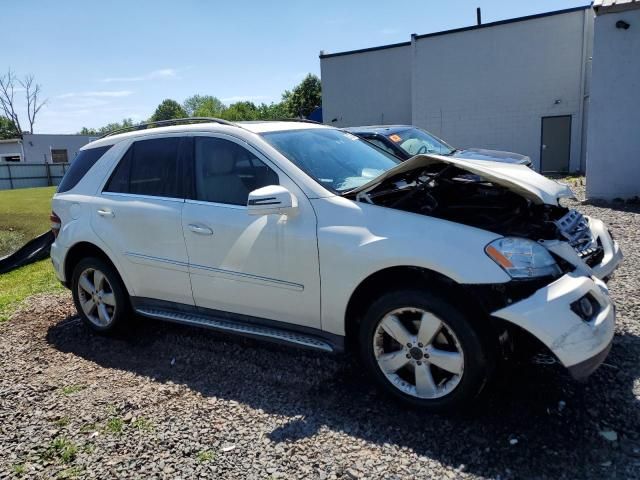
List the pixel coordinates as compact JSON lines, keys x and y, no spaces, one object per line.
{"x":245,"y":329}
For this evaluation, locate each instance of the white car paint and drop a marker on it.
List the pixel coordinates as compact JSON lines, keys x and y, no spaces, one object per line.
{"x":303,"y":267}
{"x":263,"y":266}
{"x":569,"y":337}
{"x":518,"y":178}
{"x":356,"y":240}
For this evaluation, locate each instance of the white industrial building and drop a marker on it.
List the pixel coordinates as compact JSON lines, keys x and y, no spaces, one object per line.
{"x":561,"y":87}
{"x":613,"y":147}
{"x":42,"y":148}
{"x":520,"y":85}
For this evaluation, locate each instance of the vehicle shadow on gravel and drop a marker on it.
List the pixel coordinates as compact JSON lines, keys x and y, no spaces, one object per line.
{"x":536,"y":423}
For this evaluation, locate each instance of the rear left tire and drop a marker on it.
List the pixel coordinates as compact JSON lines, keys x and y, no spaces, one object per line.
{"x":99,"y":295}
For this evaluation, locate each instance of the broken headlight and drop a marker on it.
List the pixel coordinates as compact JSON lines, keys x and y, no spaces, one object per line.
{"x":522,"y":258}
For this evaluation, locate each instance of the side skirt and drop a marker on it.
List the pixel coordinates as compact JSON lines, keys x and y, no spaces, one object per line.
{"x":260,"y":328}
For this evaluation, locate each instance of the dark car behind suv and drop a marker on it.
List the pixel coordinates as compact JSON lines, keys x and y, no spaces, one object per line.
{"x":405,"y":141}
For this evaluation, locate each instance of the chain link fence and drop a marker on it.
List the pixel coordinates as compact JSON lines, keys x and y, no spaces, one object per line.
{"x":27,"y":175}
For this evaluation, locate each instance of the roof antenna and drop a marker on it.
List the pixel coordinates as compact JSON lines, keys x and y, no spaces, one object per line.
{"x":479,"y":16}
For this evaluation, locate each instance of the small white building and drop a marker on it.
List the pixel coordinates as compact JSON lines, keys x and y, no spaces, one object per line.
{"x":520,"y":85}
{"x":613,"y":153}
{"x":42,"y":148}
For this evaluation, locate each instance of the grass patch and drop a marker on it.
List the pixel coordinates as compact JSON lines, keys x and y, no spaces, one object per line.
{"x":88,"y":428}
{"x":62,"y":422}
{"x":20,"y":284}
{"x":61,"y":450}
{"x":88,"y":448}
{"x":71,"y":389}
{"x":205,"y":456}
{"x":114,"y":425}
{"x":10,"y":241}
{"x":19,"y":469}
{"x":142,"y":424}
{"x":71,"y":472}
{"x":24,"y":214}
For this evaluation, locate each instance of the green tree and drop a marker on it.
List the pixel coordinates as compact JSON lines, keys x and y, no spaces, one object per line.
{"x":241,"y":111}
{"x":272,"y":111}
{"x":203,"y":106}
{"x":168,"y":110}
{"x":127,"y":122}
{"x":7,"y":129}
{"x":304,"y":97}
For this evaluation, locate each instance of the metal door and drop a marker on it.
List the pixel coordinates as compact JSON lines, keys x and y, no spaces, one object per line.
{"x":555,"y":148}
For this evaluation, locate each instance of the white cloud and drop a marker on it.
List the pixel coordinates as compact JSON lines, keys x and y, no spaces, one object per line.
{"x":104,"y":93}
{"x":154,"y":75}
{"x":245,"y":98}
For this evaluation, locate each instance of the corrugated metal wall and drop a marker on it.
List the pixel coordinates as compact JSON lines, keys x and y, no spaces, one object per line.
{"x":26,"y":175}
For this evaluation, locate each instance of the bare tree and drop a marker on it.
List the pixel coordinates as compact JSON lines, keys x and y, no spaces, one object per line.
{"x":7,"y":98}
{"x":9,"y":85}
{"x":34,"y":104}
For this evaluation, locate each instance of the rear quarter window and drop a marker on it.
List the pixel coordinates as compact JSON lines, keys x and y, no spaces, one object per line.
{"x":80,"y":166}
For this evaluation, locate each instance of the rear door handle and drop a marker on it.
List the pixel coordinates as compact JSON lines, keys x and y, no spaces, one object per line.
{"x":200,"y":230}
{"x":105,"y":212}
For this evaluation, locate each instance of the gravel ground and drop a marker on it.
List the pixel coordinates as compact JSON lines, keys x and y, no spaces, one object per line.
{"x":176,"y":402}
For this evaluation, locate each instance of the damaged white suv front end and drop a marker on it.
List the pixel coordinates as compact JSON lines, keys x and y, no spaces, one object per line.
{"x":574,"y":315}
{"x":569,"y":310}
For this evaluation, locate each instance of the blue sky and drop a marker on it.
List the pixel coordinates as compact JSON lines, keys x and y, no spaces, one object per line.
{"x":99,"y":62}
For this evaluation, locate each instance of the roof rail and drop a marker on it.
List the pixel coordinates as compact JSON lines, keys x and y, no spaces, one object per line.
{"x":166,"y":123}
{"x":303,"y":120}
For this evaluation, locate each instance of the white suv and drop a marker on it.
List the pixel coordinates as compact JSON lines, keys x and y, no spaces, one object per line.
{"x":435,"y":269}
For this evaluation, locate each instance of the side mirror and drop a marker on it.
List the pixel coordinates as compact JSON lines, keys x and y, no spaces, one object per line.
{"x":273,"y":199}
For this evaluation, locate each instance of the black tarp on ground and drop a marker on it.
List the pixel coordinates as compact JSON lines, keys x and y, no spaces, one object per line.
{"x":32,"y":251}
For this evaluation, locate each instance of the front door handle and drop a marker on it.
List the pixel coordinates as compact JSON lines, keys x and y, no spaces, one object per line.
{"x":105,"y":212}
{"x":200,"y":230}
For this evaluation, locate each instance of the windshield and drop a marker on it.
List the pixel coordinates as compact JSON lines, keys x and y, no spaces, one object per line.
{"x":338,"y":160}
{"x":415,"y":142}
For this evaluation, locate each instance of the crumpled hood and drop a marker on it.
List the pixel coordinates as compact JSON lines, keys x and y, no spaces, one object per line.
{"x":492,"y":155}
{"x":517,"y":178}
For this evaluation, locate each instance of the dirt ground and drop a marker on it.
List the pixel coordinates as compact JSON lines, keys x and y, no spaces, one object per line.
{"x":168,"y":401}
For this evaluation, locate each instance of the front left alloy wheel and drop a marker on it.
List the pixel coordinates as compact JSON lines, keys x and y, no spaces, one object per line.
{"x":424,"y":350}
{"x":99,"y":295}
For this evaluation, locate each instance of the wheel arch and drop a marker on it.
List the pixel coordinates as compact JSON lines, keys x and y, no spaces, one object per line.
{"x":87,"y":249}
{"x":398,"y":277}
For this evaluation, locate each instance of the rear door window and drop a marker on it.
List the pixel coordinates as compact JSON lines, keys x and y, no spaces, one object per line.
{"x":80,"y":166}
{"x":150,"y":167}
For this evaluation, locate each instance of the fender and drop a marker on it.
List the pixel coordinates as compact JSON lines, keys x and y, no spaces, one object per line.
{"x":81,"y":232}
{"x":356,"y":240}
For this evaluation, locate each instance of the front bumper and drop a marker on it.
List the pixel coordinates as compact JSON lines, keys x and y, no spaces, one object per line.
{"x":582,"y":370}
{"x":579,"y":344}
{"x":612,"y":253}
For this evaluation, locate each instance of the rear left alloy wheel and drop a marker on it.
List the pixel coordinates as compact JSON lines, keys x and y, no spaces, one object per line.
{"x":422,"y":349}
{"x":99,"y":295}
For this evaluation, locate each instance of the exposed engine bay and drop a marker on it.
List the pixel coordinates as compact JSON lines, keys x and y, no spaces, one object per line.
{"x":451,"y":193}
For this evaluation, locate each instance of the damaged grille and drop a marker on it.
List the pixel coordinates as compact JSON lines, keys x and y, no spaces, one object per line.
{"x":574,"y":227}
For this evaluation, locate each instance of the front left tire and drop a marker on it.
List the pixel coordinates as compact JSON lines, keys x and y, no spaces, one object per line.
{"x":424,"y":350}
{"x":99,"y":295}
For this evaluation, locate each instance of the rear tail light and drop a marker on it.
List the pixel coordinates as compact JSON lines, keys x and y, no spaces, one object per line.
{"x":56,"y":224}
